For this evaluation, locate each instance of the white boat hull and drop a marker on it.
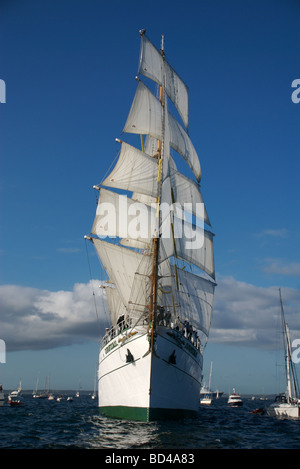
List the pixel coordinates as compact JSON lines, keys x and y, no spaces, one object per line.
{"x":206,"y":401}
{"x":284,"y":410}
{"x":137,"y":384}
{"x":235,"y":402}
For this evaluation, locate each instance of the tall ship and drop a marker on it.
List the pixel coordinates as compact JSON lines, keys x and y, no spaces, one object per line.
{"x":154,"y":239}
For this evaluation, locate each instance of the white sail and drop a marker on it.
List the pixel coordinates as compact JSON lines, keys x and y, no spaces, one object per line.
{"x":134,"y":171}
{"x":195,"y":297}
{"x":153,"y":66}
{"x":187,"y":193}
{"x":119,"y":216}
{"x":144,"y":199}
{"x":115,"y":305}
{"x":145,"y":114}
{"x":145,"y":117}
{"x":120,"y":264}
{"x":190,"y":243}
{"x":135,"y":243}
{"x":186,"y":295}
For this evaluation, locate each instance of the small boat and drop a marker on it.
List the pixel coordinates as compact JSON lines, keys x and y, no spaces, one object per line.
{"x":14,"y":398}
{"x":59,"y":398}
{"x":286,"y":405}
{"x":95,"y":387}
{"x":207,"y":399}
{"x":41,"y":395}
{"x":70,"y":399}
{"x":51,"y":397}
{"x":16,"y":401}
{"x":234,"y":399}
{"x":259,"y":411}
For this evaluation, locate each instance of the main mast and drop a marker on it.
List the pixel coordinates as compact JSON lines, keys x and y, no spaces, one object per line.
{"x":159,"y":156}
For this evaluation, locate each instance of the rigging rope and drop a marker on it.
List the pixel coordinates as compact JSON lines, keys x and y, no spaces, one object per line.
{"x":95,"y":304}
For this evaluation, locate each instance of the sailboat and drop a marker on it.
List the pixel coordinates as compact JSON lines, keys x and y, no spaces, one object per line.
{"x":15,"y":397}
{"x":207,"y":399}
{"x":154,"y":240}
{"x":41,"y":394}
{"x":286,"y":404}
{"x":94,"y":394}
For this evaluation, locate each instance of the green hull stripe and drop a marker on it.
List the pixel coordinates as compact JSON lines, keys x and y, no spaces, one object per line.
{"x":123,"y":412}
{"x":144,"y":414}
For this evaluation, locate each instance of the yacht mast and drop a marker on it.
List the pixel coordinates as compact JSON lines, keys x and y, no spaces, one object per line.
{"x":287,"y":354}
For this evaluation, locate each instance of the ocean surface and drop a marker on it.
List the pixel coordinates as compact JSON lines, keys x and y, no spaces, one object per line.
{"x":43,"y":424}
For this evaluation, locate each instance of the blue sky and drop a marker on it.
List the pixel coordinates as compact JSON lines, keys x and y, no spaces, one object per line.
{"x":69,"y":68}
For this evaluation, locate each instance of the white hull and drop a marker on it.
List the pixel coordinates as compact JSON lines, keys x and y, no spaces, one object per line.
{"x":234,"y":401}
{"x":206,"y":401}
{"x":283,"y":410}
{"x":151,"y":385}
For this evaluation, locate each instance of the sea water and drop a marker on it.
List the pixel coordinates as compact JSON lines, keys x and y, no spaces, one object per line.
{"x":44,"y":424}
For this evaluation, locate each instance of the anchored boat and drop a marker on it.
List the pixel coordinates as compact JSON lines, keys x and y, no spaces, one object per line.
{"x":286,"y":404}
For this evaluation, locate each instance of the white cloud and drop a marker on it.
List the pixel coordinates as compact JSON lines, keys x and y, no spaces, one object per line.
{"x":277,"y":233}
{"x":243,"y":314}
{"x":41,"y":319}
{"x":281,"y":267}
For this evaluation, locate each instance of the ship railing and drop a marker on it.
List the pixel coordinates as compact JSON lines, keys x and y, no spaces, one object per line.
{"x":181,"y":328}
{"x":114,"y":331}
